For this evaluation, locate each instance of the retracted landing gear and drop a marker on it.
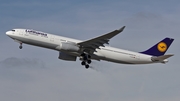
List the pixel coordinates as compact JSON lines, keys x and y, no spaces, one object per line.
{"x":86,"y":60}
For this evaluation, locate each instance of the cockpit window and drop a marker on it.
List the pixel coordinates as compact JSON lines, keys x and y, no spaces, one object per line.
{"x":13,"y":30}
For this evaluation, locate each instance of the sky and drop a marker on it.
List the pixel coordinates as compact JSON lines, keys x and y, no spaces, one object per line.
{"x":36,"y":74}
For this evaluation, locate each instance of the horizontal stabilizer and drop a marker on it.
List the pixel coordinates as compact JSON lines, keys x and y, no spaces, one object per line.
{"x":161,"y":58}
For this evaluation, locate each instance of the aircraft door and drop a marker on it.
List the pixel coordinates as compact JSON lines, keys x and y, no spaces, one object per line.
{"x":135,"y":56}
{"x":20,"y":33}
{"x":52,"y":38}
{"x":26,"y":34}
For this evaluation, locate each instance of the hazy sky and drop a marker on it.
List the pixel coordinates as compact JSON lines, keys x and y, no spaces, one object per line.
{"x":36,"y":74}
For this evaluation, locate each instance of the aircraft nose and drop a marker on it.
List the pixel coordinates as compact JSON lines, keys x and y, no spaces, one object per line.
{"x":8,"y":33}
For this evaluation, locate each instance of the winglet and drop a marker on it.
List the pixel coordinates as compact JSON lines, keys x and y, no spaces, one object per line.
{"x":121,"y":29}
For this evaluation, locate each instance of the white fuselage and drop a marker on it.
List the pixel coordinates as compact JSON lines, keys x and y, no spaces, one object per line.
{"x":51,"y":41}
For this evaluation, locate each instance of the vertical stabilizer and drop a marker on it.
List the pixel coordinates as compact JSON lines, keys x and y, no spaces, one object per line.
{"x":160,"y":48}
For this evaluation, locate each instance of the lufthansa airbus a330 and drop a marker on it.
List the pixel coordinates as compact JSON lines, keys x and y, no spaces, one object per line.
{"x":95,"y":48}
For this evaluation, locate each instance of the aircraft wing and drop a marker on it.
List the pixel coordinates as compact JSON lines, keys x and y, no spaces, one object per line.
{"x":95,"y":43}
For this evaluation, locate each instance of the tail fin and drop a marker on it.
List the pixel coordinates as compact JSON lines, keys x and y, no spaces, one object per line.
{"x":160,"y":48}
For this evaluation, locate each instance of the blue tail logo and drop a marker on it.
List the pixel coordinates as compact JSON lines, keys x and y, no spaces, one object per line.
{"x":160,"y":48}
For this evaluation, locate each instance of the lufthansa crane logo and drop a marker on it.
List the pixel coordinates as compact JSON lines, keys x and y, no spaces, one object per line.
{"x":162,"y":47}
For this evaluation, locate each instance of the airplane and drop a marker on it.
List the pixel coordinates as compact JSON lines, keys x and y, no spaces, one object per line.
{"x":93,"y":49}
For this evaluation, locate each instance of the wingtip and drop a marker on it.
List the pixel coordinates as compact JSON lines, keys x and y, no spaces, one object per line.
{"x":122,"y":28}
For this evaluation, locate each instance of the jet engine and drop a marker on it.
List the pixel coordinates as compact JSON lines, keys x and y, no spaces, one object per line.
{"x":67,"y":57}
{"x":71,"y":47}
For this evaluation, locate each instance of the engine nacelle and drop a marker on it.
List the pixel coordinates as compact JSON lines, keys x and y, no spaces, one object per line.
{"x":72,"y":47}
{"x":67,"y":57}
